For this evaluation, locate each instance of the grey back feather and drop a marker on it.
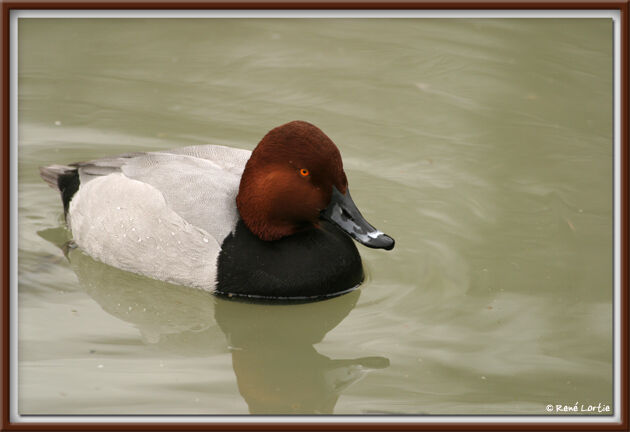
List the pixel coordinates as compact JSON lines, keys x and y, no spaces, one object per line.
{"x":199,"y":183}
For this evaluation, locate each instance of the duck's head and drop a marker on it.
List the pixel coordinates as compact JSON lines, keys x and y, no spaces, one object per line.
{"x":293,"y":179}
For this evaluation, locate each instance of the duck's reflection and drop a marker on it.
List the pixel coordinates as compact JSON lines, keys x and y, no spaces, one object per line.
{"x":278,"y":370}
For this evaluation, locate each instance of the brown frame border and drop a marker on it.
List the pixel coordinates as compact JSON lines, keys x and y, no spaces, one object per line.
{"x":7,"y":6}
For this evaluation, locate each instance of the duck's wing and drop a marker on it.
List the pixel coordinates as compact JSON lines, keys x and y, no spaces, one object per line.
{"x":202,"y":190}
{"x":229,"y":159}
{"x":199,"y":183}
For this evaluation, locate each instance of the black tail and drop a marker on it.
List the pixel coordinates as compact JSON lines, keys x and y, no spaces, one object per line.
{"x":63,"y":178}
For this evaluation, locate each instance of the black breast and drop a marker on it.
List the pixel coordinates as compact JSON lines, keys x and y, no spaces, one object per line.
{"x":317,"y":262}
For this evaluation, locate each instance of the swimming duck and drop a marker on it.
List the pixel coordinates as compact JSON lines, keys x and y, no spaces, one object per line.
{"x":273,"y":223}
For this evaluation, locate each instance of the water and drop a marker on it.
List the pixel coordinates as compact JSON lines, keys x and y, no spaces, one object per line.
{"x":484,"y":147}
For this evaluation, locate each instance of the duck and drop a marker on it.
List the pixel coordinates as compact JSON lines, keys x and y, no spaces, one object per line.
{"x":277,"y":222}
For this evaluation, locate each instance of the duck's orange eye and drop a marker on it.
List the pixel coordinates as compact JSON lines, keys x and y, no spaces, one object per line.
{"x":304,"y":172}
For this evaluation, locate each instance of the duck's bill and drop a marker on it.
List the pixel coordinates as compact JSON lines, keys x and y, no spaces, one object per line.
{"x":344,"y":213}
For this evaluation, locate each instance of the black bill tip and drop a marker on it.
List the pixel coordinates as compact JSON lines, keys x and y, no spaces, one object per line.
{"x":382,"y":241}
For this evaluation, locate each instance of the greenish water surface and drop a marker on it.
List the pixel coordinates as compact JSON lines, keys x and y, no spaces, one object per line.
{"x":483,"y":146}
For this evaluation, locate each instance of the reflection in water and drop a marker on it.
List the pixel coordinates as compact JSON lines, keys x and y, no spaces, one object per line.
{"x":277,"y":368}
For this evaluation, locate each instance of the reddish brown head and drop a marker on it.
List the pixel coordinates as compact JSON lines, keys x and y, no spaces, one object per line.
{"x":293,"y":178}
{"x":288,"y":180}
